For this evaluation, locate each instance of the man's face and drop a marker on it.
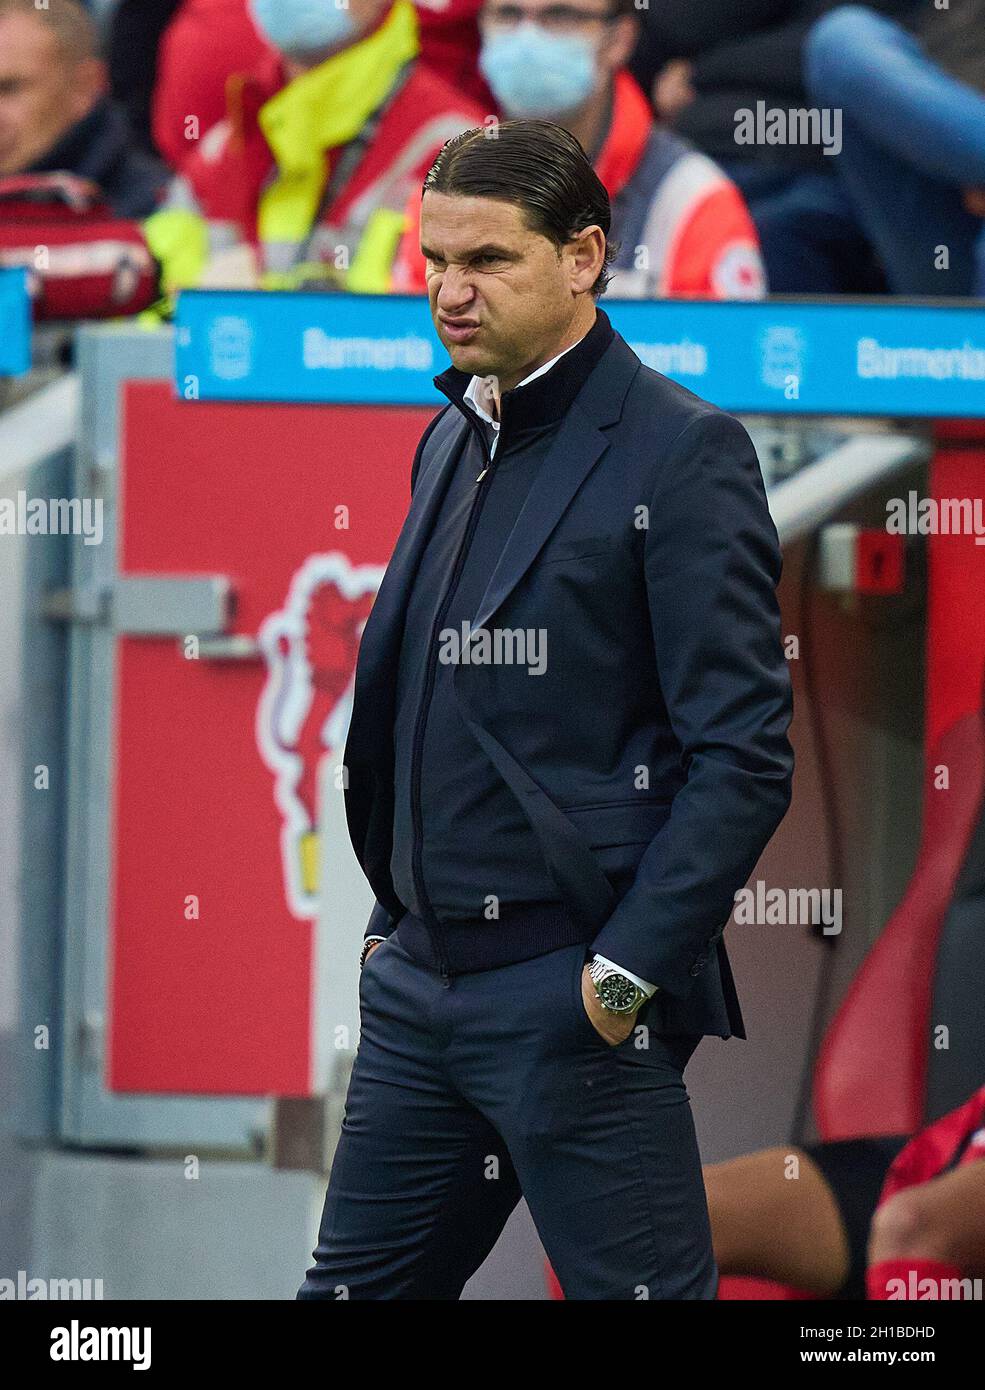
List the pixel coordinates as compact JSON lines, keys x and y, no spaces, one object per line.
{"x":43,"y":93}
{"x":501,"y":297}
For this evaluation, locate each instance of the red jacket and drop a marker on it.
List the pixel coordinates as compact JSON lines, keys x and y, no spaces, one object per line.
{"x":450,"y":44}
{"x":211,"y":41}
{"x":205,"y":43}
{"x":233,"y":164}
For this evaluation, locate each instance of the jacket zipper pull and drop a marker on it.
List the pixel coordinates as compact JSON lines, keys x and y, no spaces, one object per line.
{"x":482,"y":475}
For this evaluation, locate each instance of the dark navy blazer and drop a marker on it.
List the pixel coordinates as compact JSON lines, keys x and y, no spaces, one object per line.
{"x":653,"y":751}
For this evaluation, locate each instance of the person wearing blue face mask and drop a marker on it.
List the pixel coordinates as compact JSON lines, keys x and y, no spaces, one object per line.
{"x":543,"y":60}
{"x":683,"y":225}
{"x":300,"y":28}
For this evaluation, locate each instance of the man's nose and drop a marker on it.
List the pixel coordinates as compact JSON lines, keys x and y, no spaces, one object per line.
{"x":454,"y":292}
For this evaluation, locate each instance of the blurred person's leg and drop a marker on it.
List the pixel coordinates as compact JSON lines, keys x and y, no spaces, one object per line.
{"x":812,"y":241}
{"x":421,"y":1185}
{"x":936,"y":1228}
{"x":896,"y":96}
{"x":804,"y":1223}
{"x":924,"y":235}
{"x":755,"y":180}
{"x":913,"y":139}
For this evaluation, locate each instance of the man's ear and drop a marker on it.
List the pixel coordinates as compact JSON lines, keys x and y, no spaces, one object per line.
{"x":587,"y":252}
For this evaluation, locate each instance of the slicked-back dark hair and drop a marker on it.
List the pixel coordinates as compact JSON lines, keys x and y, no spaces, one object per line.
{"x":537,"y":166}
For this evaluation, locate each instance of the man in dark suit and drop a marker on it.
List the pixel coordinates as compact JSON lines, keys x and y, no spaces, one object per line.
{"x":568,"y":749}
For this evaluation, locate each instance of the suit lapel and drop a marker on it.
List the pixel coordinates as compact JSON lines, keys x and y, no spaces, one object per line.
{"x":574,"y":453}
{"x":368,"y":753}
{"x":381,"y":636}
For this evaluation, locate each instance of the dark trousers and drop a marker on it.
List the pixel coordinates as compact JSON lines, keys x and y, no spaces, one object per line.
{"x":469,"y":1092}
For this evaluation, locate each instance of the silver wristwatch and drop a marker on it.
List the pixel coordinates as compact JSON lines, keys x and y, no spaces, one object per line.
{"x":615,"y":991}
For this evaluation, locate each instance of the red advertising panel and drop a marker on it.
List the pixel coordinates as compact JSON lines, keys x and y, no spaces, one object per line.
{"x":215,"y":873}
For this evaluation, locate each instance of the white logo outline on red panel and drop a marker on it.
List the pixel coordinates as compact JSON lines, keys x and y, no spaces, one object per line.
{"x":304,"y":708}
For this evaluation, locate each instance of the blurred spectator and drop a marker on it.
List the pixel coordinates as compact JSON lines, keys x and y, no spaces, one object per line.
{"x":703,"y":63}
{"x":206,"y":44}
{"x":54,"y":112}
{"x":306,"y":181}
{"x":209,"y":42}
{"x":70,"y":181}
{"x":913,"y":157}
{"x":682,"y":225}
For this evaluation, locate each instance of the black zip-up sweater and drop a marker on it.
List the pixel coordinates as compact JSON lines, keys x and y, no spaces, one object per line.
{"x":465,"y":861}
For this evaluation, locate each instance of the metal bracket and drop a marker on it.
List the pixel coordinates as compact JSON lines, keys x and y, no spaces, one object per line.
{"x":160,"y":606}
{"x":79,"y":605}
{"x":156,"y":605}
{"x":235,"y":648}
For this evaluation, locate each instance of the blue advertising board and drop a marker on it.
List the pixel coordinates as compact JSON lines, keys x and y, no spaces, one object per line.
{"x":876,"y":358}
{"x":15,"y":323}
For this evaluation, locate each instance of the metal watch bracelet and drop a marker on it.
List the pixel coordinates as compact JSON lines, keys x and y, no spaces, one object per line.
{"x":600,"y":971}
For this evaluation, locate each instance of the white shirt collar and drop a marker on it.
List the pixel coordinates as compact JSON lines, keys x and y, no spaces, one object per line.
{"x":472,"y":390}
